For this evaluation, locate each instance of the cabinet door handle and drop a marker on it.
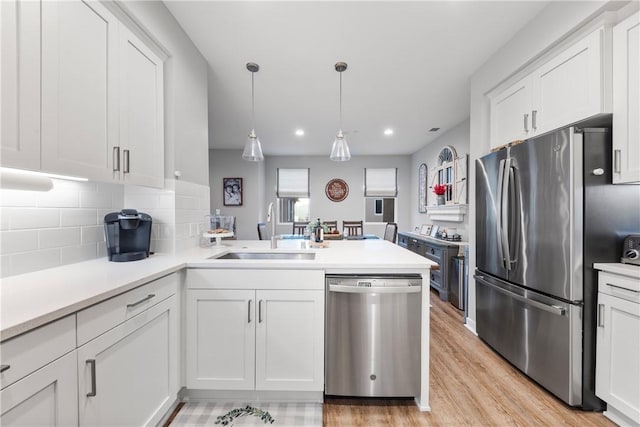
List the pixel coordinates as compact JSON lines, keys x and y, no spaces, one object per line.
{"x":623,"y":288}
{"x":260,"y":311}
{"x":4,"y":368}
{"x":616,"y":160}
{"x":92,"y":365}
{"x":526,"y":123}
{"x":600,"y":315}
{"x":249,"y":312}
{"x":125,"y":160}
{"x":147,"y":298}
{"x":116,"y":159}
{"x":534,"y":119}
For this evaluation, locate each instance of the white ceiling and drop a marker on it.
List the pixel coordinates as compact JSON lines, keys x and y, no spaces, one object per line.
{"x":409,"y":66}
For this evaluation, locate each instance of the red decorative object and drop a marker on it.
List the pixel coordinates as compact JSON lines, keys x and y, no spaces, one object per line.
{"x":439,"y":189}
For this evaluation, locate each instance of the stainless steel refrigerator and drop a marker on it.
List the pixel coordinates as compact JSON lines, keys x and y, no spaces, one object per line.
{"x":545,"y":212}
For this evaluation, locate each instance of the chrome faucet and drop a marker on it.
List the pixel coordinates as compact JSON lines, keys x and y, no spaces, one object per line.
{"x":271,"y":218}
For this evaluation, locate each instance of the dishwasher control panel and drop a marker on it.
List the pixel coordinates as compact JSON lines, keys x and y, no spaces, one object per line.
{"x":375,"y":282}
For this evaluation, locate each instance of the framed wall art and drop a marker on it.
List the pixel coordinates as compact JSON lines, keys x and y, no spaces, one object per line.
{"x":232,"y":191}
{"x":336,"y":190}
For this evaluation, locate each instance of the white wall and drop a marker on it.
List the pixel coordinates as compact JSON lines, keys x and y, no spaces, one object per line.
{"x":229,"y":164}
{"x":458,"y":138}
{"x":352,"y":172}
{"x":551,"y":25}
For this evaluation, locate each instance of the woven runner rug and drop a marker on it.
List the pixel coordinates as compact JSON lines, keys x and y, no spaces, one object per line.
{"x":196,"y":414}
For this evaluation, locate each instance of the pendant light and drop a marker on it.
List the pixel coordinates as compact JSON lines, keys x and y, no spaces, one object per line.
{"x":340,"y":150}
{"x":252,"y":149}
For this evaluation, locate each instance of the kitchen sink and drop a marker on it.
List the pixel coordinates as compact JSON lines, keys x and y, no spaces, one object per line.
{"x":268,"y":255}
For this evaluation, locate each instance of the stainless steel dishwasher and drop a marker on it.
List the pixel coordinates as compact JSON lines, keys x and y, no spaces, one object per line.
{"x":372,"y":335}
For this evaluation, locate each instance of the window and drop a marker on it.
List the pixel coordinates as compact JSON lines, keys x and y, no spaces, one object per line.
{"x":293,"y":209}
{"x":380,"y":190}
{"x":380,"y":209}
{"x":292,"y":190}
{"x":446,"y":171}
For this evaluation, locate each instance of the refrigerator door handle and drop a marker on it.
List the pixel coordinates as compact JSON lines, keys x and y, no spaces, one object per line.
{"x":499,"y":212}
{"x":512,"y":228}
{"x":504,"y":215}
{"x":560,"y":311}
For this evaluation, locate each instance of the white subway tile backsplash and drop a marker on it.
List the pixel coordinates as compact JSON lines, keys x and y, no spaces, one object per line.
{"x":71,"y":217}
{"x":92,"y":199}
{"x":27,"y":262}
{"x":18,"y":241}
{"x":65,"y":225}
{"x":5,"y":265}
{"x":71,"y":254}
{"x":18,"y":198}
{"x":59,"y":199}
{"x":92,"y":234}
{"x":59,"y":237}
{"x":29,"y":218}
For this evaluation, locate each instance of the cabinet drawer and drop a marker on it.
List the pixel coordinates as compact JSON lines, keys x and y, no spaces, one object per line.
{"x":32,"y":350}
{"x":98,"y":319}
{"x":200,"y":278}
{"x":436,"y":278}
{"x":619,"y":286}
{"x":433,"y":253}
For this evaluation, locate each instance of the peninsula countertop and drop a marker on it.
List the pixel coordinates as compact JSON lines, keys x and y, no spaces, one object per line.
{"x":30,"y":300}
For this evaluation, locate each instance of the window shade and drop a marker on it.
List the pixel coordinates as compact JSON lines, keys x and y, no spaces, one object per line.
{"x":292,"y":183}
{"x":380,"y":182}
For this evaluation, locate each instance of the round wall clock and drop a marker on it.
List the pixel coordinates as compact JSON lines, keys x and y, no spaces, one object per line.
{"x":422,"y":188}
{"x":336,"y":190}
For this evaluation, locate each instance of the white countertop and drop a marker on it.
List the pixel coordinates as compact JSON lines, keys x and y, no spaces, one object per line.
{"x":34,"y":299}
{"x":629,"y":270}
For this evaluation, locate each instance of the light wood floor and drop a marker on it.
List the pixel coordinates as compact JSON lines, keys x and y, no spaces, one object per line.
{"x":470,"y":385}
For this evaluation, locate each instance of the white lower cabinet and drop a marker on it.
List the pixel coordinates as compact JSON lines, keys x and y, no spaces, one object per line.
{"x":255,"y":339}
{"x":618,"y":348}
{"x":129,"y":375}
{"x":46,"y":397}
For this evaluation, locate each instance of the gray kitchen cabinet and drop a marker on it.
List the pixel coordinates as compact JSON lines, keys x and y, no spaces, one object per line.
{"x":439,"y":251}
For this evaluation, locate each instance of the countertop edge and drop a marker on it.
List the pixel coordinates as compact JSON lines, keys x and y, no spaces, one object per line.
{"x":192,"y":259}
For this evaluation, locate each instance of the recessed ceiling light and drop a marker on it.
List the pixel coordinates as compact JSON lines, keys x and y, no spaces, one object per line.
{"x":388,"y":131}
{"x":299,"y":132}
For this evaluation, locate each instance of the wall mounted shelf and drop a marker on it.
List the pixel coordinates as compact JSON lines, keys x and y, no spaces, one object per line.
{"x":451,"y":213}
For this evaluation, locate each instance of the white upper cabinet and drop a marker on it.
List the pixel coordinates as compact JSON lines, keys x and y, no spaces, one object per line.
{"x":626,"y":100}
{"x":79,"y":120}
{"x":20,"y":84}
{"x":570,"y":87}
{"x":567,"y":88}
{"x":510,"y":112}
{"x":141,"y":112}
{"x":81,"y":93}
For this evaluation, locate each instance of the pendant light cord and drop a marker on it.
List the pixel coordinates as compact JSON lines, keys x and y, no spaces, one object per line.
{"x":253,"y":114}
{"x":341,"y":101}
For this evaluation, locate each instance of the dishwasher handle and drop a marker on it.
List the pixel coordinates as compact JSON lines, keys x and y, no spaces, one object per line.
{"x":375,"y":289}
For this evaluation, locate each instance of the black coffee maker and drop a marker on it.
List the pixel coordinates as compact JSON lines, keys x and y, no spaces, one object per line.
{"x":128,"y":235}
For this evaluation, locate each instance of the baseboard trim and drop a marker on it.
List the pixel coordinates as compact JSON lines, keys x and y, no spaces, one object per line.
{"x":470,"y":324}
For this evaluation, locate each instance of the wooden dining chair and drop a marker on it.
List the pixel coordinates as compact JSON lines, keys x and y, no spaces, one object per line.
{"x":391,"y":232}
{"x":263,"y":234}
{"x":352,"y":228}
{"x":331,"y":225}
{"x":299,"y":227}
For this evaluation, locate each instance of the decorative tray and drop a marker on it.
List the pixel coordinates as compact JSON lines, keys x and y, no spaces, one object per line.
{"x":328,"y":236}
